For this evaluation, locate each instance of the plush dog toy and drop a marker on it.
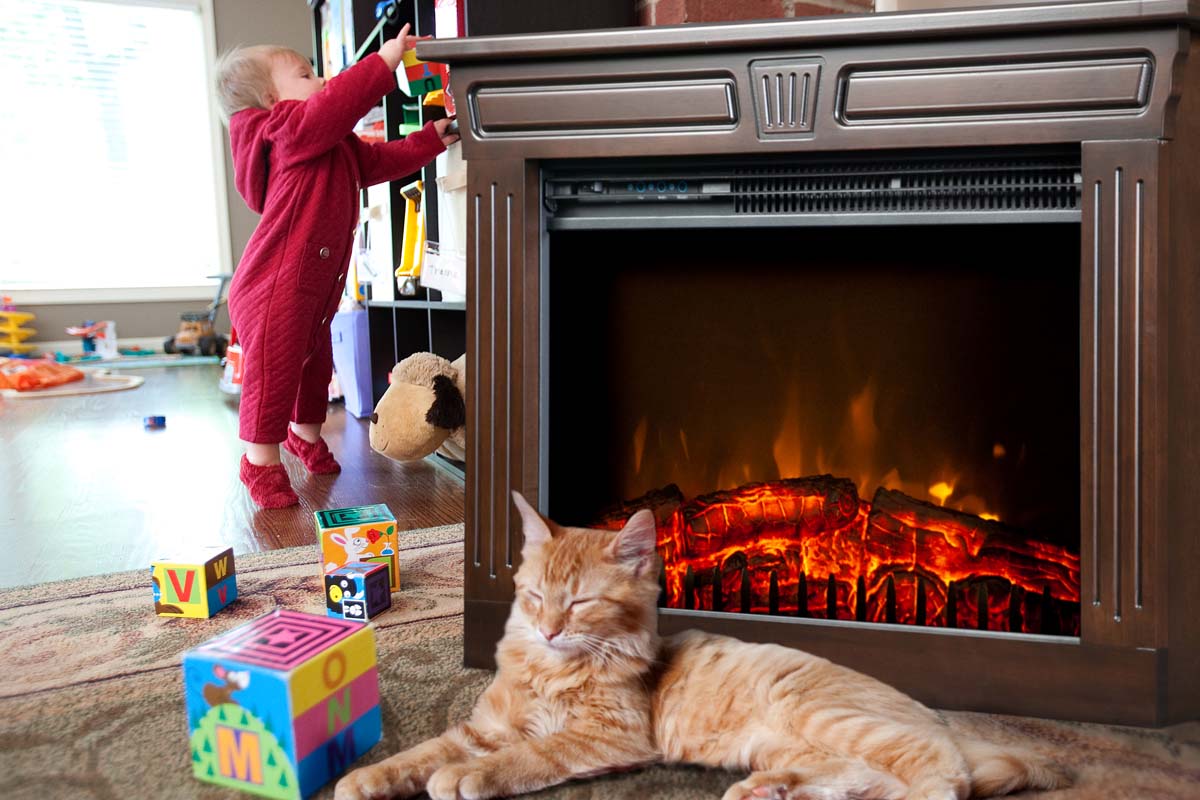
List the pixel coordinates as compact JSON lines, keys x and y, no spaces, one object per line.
{"x":423,"y":411}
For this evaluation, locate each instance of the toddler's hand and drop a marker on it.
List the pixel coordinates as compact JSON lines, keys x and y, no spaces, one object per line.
{"x":392,"y":51}
{"x":448,"y":137}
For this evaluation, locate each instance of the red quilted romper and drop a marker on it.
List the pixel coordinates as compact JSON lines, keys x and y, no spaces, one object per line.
{"x":301,"y":167}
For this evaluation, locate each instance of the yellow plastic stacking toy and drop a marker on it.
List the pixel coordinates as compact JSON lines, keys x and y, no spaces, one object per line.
{"x":12,"y":335}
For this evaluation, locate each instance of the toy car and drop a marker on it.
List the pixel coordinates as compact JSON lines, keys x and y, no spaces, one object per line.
{"x":196,"y":334}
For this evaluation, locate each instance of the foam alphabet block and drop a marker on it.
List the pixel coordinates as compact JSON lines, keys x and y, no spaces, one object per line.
{"x":358,"y":591}
{"x":362,"y":533}
{"x":282,"y":705}
{"x":197,"y":583}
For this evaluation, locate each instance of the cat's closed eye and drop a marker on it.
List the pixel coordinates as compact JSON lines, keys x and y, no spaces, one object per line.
{"x":533,"y":594}
{"x":583,"y":601}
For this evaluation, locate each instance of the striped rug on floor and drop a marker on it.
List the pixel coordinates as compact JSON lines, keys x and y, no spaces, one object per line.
{"x":91,"y":696}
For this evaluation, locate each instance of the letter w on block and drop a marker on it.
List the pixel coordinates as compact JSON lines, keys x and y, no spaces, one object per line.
{"x":221,"y":567}
{"x":238,"y":754}
{"x":182,"y":595}
{"x":339,"y":713}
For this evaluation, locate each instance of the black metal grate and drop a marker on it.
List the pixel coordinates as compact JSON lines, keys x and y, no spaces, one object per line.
{"x":909,"y":185}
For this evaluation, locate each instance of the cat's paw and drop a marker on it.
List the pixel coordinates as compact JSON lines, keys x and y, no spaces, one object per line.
{"x":785,"y":784}
{"x":461,"y":782}
{"x":773,"y":786}
{"x":366,"y":783}
{"x":935,"y":788}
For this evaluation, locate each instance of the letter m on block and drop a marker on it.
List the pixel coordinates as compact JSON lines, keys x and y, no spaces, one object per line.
{"x":239,"y":755}
{"x":337,"y":758}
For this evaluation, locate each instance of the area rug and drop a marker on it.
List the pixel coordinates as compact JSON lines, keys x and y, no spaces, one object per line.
{"x":91,"y":693}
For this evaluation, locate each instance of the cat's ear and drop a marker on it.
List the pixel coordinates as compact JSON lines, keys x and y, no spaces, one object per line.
{"x":634,"y":544}
{"x":537,"y":532}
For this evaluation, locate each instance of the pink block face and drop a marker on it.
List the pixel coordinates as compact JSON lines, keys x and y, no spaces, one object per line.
{"x":281,"y":640}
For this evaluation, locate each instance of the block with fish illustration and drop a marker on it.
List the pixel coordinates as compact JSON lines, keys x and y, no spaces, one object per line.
{"x":361,"y":533}
{"x":194,"y":583}
{"x":358,"y":591}
{"x":283,"y":704}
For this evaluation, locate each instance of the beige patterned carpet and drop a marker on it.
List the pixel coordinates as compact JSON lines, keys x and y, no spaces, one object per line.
{"x":91,"y":697}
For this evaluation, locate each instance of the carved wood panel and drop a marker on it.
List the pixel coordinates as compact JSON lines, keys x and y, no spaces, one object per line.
{"x":502,"y":310}
{"x":1120,"y":418}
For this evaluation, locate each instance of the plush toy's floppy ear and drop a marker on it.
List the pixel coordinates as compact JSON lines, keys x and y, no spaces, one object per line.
{"x":448,"y":411}
{"x":537,"y":532}
{"x":634,"y":544}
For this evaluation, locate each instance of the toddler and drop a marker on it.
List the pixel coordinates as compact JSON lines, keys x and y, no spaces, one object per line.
{"x":298,"y":163}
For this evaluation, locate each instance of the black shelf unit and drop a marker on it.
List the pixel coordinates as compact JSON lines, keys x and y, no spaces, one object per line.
{"x":426,"y":322}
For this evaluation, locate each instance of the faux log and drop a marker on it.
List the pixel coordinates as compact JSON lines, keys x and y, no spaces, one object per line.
{"x":902,"y":531}
{"x":663,"y":502}
{"x":805,"y":506}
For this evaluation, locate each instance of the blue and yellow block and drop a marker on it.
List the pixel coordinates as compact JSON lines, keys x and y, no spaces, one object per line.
{"x":282,"y":705}
{"x":360,"y":533}
{"x":197,"y":584}
{"x":358,"y":591}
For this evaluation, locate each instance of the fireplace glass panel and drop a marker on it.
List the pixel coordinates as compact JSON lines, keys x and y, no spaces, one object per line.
{"x":873,"y":424}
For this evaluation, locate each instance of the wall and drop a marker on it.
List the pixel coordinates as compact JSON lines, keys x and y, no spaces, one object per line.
{"x":674,"y":12}
{"x":285,"y":22}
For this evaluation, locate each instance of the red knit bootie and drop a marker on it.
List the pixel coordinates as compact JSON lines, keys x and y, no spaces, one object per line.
{"x":315,"y":455}
{"x":269,"y":486}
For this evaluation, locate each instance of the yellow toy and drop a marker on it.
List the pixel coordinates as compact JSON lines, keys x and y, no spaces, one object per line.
{"x":413,"y":250}
{"x":197,"y":585}
{"x":12,"y":335}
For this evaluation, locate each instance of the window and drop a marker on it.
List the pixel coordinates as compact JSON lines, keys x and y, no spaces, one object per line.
{"x":108,"y":147}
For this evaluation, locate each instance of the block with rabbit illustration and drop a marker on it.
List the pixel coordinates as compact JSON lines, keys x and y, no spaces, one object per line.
{"x":196,"y":583}
{"x":361,"y":533}
{"x":358,"y":591}
{"x":283,"y":704}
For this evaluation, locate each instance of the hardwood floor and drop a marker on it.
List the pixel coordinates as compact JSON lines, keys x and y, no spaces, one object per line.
{"x":85,"y":489}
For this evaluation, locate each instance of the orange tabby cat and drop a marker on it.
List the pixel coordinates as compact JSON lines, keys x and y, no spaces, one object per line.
{"x":585,"y":686}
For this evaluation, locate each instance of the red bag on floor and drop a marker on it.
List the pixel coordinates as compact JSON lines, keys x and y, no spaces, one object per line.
{"x":25,"y":375}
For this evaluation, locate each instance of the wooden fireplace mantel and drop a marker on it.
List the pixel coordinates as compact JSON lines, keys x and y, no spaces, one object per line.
{"x":1119,"y":80}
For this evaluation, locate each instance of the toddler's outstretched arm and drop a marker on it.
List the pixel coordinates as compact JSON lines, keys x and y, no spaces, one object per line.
{"x":317,"y":124}
{"x":391,"y":161}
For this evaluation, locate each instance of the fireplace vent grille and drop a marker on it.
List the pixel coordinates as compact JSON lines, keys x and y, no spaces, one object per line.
{"x":906,"y":186}
{"x":920,"y":188}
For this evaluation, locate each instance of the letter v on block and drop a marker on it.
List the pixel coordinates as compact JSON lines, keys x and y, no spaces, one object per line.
{"x":183,"y":595}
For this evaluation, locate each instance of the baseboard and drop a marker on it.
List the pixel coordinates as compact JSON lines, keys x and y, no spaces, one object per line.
{"x":74,"y":347}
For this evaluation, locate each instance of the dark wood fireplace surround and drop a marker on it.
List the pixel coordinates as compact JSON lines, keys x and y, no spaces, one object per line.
{"x":1119,"y":79}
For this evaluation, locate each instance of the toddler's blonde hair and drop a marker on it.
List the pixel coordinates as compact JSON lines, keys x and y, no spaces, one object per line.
{"x":244,"y":76}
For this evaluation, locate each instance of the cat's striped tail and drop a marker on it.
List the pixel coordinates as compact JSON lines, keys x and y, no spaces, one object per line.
{"x":997,"y":770}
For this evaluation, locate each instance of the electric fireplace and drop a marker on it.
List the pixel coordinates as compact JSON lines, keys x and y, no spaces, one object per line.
{"x":889,"y":320}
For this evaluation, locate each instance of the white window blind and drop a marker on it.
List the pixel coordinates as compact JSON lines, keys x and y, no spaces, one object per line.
{"x":107,"y":157}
